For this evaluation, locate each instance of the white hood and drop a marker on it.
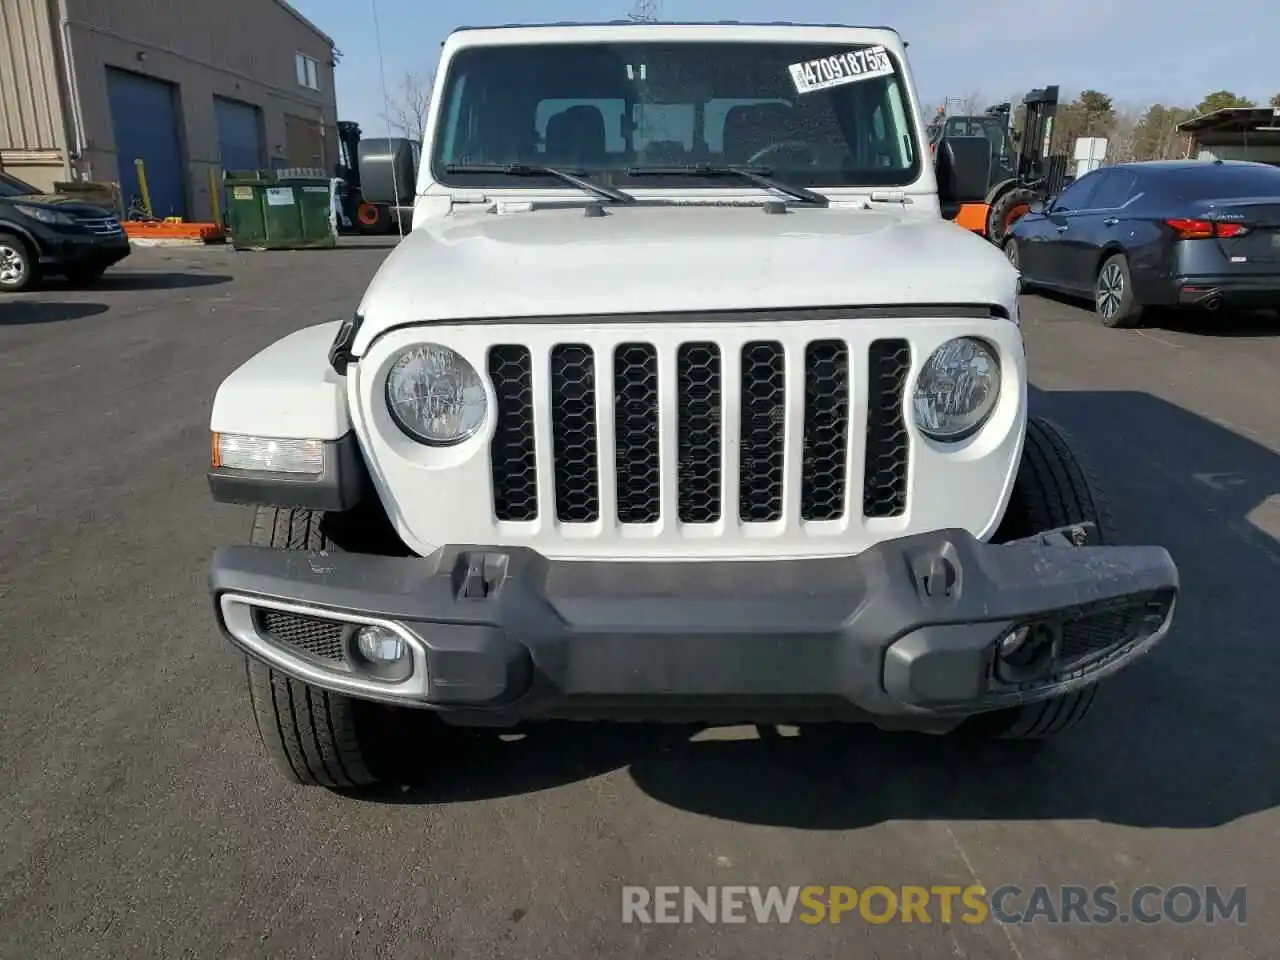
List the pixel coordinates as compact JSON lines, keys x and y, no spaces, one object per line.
{"x":657,"y":259}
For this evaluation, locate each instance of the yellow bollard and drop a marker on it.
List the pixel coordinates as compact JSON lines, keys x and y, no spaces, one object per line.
{"x":215,"y":195}
{"x":142,"y":185}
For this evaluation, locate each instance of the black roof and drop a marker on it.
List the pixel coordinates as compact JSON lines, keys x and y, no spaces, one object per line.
{"x":1189,"y":164}
{"x":1232,"y":119}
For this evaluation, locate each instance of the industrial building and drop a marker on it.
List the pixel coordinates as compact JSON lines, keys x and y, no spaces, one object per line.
{"x":89,"y":88}
{"x":1235,"y":133}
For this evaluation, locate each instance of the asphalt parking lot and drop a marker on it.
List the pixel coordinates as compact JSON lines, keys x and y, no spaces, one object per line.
{"x":139,"y":817}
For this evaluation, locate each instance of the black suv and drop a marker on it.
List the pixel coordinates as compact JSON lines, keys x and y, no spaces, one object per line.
{"x":42,"y":234}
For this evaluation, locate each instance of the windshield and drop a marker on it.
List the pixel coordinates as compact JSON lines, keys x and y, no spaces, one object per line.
{"x":13,"y":187}
{"x":603,"y":108}
{"x":992,"y":128}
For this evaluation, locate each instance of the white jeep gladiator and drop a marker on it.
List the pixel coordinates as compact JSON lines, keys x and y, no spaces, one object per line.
{"x":681,"y":400}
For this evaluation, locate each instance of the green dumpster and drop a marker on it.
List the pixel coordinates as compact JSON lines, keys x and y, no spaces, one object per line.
{"x":290,"y":209}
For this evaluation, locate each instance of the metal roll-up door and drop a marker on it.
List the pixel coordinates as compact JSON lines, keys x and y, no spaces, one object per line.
{"x":240,"y":144}
{"x":144,"y":115}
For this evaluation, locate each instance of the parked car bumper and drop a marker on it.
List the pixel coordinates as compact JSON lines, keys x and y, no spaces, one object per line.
{"x":63,"y":251}
{"x":904,"y":634}
{"x":1240,"y":293}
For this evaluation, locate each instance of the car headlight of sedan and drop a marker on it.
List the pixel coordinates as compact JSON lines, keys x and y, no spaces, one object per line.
{"x":435,"y":396}
{"x":957,"y":389}
{"x":44,"y":215}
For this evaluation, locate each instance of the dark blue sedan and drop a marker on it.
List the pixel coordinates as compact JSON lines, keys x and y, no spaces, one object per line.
{"x":1187,"y":234}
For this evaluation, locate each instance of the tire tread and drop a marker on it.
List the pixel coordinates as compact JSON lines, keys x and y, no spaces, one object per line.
{"x":1130,"y":313}
{"x":1056,"y":487}
{"x":312,"y":736}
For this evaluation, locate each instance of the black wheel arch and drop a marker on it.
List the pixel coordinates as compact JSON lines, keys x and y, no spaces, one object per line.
{"x":1106,"y":253}
{"x":23,"y":234}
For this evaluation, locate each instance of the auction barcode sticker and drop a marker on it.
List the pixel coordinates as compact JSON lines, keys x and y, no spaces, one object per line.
{"x":842,"y":68}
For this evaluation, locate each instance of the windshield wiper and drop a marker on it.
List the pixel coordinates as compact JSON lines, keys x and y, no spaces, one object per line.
{"x":574,"y":177}
{"x":758,"y":175}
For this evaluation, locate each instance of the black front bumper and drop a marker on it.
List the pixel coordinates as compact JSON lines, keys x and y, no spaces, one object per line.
{"x":63,"y":250}
{"x":905,"y":631}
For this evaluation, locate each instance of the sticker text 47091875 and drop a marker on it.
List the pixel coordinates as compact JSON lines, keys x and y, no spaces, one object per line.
{"x":841,"y":68}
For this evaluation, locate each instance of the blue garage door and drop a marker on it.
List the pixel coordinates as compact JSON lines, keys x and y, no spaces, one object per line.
{"x":239,"y":135}
{"x":145,"y":117}
{"x":239,"y":138}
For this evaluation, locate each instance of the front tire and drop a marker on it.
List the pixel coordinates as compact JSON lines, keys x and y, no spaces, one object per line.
{"x":1055,"y":488}
{"x":19,"y":269}
{"x":1113,"y":298}
{"x":1008,"y":209}
{"x":1014,"y":257}
{"x":314,"y":737}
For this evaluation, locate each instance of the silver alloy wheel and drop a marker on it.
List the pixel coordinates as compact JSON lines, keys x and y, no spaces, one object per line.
{"x":12,"y":264}
{"x":1110,"y":290}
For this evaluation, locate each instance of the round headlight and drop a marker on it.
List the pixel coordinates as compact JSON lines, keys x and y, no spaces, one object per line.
{"x":435,"y":396}
{"x":957,"y":389}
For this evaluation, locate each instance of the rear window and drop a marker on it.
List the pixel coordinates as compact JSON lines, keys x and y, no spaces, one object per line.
{"x":1227,"y":182}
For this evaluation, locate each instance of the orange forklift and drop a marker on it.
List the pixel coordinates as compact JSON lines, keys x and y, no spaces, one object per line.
{"x":1021,"y":171}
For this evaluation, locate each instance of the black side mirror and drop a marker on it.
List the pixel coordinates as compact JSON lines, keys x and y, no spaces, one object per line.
{"x":388,"y":173}
{"x":964,"y":170}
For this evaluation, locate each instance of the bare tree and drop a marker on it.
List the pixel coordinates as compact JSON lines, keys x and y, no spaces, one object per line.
{"x":645,"y":11}
{"x":407,"y":107}
{"x":973,"y":103}
{"x":1122,"y":134}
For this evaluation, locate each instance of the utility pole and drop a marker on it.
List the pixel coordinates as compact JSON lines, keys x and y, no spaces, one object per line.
{"x":645,"y":11}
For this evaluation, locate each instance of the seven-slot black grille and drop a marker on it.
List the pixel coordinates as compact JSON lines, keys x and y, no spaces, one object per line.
{"x":573,"y":433}
{"x":699,"y":390}
{"x":515,"y":467}
{"x":826,"y":429}
{"x":698,"y":432}
{"x":760,"y":444}
{"x":884,"y":484}
{"x":635,"y":430}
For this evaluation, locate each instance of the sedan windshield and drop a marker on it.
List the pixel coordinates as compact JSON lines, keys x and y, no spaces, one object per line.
{"x":817,"y":115}
{"x":13,"y":187}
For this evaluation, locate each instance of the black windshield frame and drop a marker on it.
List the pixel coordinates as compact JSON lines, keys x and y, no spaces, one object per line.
{"x":503,"y":88}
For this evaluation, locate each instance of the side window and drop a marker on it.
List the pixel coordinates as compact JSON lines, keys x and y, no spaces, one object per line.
{"x":1115,"y":190}
{"x":610,"y":112}
{"x":890,"y":151}
{"x":900,"y":124}
{"x":457,"y":124}
{"x":1079,"y":195}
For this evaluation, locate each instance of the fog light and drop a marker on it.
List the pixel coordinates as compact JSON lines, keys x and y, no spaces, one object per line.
{"x":1012,"y":642}
{"x":381,"y":646}
{"x":1026,"y":651}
